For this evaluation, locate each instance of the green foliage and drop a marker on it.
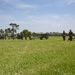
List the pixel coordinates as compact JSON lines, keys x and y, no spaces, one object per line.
{"x":46,"y":57}
{"x":8,"y":30}
{"x":25,"y":32}
{"x":14,"y":27}
{"x":34,"y":34}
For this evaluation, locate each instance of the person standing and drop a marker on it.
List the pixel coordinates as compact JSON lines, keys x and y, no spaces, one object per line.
{"x":70,"y":35}
{"x":64,"y":35}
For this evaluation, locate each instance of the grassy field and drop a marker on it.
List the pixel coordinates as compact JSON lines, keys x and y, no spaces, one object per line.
{"x":37,"y":57}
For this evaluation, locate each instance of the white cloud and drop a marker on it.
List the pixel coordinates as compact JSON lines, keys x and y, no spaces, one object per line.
{"x":41,"y":23}
{"x":24,"y":6}
{"x":9,"y":1}
{"x":60,"y":3}
{"x":52,"y":22}
{"x":18,"y":4}
{"x":69,"y":2}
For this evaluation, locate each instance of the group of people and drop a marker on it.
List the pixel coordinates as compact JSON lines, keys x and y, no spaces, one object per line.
{"x":70,"y":35}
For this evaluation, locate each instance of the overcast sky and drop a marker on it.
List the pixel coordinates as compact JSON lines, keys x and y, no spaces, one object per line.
{"x":38,"y":15}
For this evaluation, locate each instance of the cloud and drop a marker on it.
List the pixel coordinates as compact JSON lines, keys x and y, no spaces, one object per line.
{"x":18,"y":4}
{"x":59,"y":3}
{"x":69,"y":2}
{"x":65,"y":2}
{"x":9,"y":1}
{"x":41,"y":23}
{"x":52,"y":22}
{"x":24,"y":6}
{"x":47,"y":23}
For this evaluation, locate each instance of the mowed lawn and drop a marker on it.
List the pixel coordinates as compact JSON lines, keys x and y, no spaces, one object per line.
{"x":37,"y":57}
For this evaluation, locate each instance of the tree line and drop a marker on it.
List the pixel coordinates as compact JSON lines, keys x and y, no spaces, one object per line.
{"x":12,"y":33}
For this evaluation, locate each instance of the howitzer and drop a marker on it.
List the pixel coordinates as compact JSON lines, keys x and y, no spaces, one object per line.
{"x":46,"y":36}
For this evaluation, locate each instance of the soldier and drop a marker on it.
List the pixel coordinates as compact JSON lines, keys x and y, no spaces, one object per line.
{"x":64,"y":35}
{"x":70,"y":35}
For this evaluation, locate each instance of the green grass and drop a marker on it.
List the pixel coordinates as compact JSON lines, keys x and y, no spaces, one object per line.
{"x":37,"y":57}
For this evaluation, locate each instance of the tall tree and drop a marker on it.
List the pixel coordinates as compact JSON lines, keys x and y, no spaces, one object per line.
{"x":14,"y":26}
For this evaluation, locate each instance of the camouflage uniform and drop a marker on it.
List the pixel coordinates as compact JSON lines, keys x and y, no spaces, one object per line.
{"x":70,"y":35}
{"x":64,"y":35}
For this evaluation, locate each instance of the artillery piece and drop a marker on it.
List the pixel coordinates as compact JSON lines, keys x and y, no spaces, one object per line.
{"x":46,"y":36}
